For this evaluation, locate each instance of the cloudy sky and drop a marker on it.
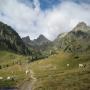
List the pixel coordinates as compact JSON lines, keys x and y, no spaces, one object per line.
{"x":47,"y":17}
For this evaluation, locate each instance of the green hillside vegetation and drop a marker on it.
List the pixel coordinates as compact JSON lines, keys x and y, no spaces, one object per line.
{"x":14,"y":66}
{"x":53,"y":73}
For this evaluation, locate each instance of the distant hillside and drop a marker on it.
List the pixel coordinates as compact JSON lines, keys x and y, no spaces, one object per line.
{"x":28,"y":42}
{"x":26,"y":39}
{"x":77,"y":40}
{"x":10,"y":40}
{"x":41,"y":40}
{"x":41,"y":43}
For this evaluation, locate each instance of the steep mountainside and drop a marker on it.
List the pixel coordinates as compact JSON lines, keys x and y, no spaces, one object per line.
{"x":28,"y":42}
{"x":10,"y":40}
{"x":77,"y":40}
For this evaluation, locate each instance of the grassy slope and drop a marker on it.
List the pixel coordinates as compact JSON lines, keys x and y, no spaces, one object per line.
{"x":13,"y":70}
{"x":53,"y":74}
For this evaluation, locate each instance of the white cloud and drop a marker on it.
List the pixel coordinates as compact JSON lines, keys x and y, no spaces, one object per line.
{"x":33,"y":21}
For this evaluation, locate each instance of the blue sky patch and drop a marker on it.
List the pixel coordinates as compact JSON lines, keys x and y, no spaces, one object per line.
{"x":46,"y":4}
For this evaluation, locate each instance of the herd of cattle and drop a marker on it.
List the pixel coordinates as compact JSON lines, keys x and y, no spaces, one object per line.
{"x":80,"y":65}
{"x":27,"y":71}
{"x":12,"y":78}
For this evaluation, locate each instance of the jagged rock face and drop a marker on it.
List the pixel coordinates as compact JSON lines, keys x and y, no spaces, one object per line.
{"x":82,"y":27}
{"x":26,"y":39}
{"x":29,"y":43}
{"x":77,"y":40}
{"x":41,"y":43}
{"x":10,"y":40}
{"x":41,"y":40}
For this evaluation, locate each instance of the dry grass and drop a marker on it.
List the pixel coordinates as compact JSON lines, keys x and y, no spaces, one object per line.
{"x":53,"y":74}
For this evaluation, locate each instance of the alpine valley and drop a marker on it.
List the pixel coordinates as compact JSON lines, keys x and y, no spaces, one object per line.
{"x":41,"y":64}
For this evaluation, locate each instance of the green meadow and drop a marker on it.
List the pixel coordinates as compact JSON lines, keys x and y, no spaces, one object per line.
{"x":53,"y":74}
{"x":14,"y":66}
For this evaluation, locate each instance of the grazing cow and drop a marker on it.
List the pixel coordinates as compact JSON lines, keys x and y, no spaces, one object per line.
{"x":8,"y":78}
{"x":27,"y":71}
{"x":1,"y":78}
{"x":81,"y":65}
{"x":68,"y":65}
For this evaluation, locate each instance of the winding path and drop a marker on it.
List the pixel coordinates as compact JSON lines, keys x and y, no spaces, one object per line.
{"x":28,"y":84}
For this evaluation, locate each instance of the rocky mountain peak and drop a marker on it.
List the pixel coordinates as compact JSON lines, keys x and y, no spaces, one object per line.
{"x":82,"y":26}
{"x":41,"y":37}
{"x":26,"y":39}
{"x":40,"y":40}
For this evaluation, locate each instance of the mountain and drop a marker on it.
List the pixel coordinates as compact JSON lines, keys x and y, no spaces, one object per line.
{"x":75,"y":41}
{"x":10,"y":40}
{"x":29,"y":43}
{"x":41,"y":43}
{"x":41,"y":40}
{"x":26,"y":39}
{"x":82,"y":27}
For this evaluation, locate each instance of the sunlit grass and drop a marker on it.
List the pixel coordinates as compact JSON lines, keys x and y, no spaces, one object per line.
{"x":53,"y":74}
{"x":12,"y":65}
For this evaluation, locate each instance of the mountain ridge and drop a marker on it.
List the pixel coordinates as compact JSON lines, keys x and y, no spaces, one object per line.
{"x":77,"y":40}
{"x":10,"y":40}
{"x":40,"y":43}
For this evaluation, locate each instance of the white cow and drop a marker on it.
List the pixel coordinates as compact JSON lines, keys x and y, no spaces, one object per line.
{"x":8,"y":78}
{"x":27,"y":71}
{"x":68,"y":65}
{"x":1,"y":78}
{"x":81,"y":65}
